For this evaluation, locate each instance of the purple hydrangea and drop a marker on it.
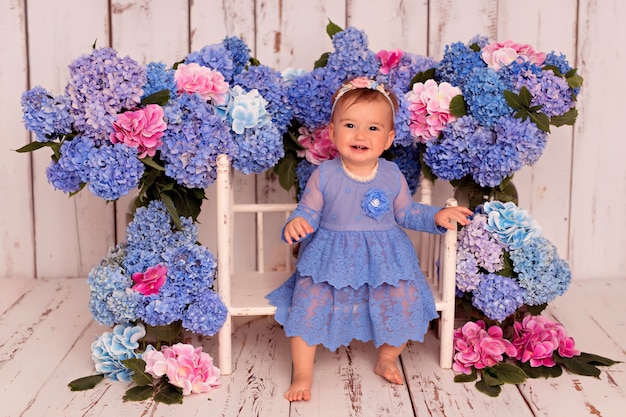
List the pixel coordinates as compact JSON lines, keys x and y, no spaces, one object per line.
{"x":215,"y":56}
{"x":101,"y":85}
{"x":497,"y":296}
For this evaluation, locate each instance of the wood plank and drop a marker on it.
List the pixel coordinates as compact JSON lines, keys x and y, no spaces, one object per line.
{"x":13,"y":289}
{"x":73,"y":234}
{"x":261,"y":375}
{"x":585,"y":310}
{"x":37,"y":333}
{"x":599,"y":196}
{"x":345,"y":385}
{"x":435,"y":393}
{"x":17,"y":254}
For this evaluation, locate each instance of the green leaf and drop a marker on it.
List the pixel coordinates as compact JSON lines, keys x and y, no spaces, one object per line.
{"x":141,"y":393}
{"x":33,"y":146}
{"x":503,"y":373}
{"x":254,"y":62}
{"x":577,"y":366}
{"x":426,"y":171}
{"x":168,"y":332}
{"x":168,"y":394}
{"x":466,"y":378}
{"x":332,"y":29}
{"x":422,"y":77}
{"x":138,"y":366}
{"x":568,"y":118}
{"x":541,"y":371}
{"x":171,"y":209}
{"x":573,"y":79}
{"x":322,"y":60}
{"x":475,"y":47}
{"x":85,"y":383}
{"x":286,"y":171}
{"x":596,"y":359}
{"x":160,"y":97}
{"x":152,"y":163}
{"x":541,"y":120}
{"x":490,"y":390}
{"x":554,"y":69}
{"x":457,"y":106}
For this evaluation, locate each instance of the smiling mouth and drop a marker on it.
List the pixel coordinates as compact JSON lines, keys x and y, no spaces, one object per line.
{"x":361,"y":148}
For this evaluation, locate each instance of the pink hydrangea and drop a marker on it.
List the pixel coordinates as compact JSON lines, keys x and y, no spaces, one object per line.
{"x":141,"y":129}
{"x":317,"y":145}
{"x":537,"y":338}
{"x":149,"y":282}
{"x":209,"y":83}
{"x":185,"y":367}
{"x":429,"y":104}
{"x":501,"y":54}
{"x":479,"y":348}
{"x":389,"y":59}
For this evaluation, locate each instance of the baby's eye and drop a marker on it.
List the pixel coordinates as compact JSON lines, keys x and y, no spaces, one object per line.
{"x":349,"y":125}
{"x":374,"y":128}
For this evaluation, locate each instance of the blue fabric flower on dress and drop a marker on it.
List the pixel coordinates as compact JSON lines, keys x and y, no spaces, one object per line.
{"x":375,"y":203}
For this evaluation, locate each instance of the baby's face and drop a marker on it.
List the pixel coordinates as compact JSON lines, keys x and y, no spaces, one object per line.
{"x":362,"y":130}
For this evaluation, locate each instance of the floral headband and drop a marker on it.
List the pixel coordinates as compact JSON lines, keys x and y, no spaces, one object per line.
{"x":363,"y":82}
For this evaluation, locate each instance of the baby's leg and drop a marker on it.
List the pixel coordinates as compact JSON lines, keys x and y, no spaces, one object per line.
{"x":302,"y":356}
{"x":386,"y":363}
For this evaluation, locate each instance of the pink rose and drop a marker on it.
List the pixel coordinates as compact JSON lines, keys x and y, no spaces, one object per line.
{"x":149,"y":282}
{"x":317,"y":145}
{"x":209,"y":83}
{"x":479,"y":348}
{"x":501,"y":54}
{"x":186,"y":367}
{"x":537,"y":338}
{"x":361,"y":82}
{"x":429,"y":106}
{"x":141,"y":129}
{"x":389,"y":59}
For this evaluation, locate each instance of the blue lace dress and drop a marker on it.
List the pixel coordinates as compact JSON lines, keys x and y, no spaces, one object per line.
{"x":357,"y":275}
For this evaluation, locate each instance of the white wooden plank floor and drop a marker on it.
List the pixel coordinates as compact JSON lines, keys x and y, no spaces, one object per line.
{"x":46,"y":331}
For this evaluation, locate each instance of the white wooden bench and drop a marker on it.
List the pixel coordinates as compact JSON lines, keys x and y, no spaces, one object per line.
{"x":244,"y":292}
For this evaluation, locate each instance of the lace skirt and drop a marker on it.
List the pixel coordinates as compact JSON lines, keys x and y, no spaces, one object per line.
{"x":333,"y":317}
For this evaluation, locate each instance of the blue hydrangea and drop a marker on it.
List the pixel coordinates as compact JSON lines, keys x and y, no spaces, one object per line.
{"x":304,"y":169}
{"x":113,"y":170}
{"x":110,"y":349}
{"x":105,"y":280}
{"x":194,"y":137}
{"x":402,"y":121}
{"x":258,"y":149}
{"x":400,"y":76}
{"x":239,"y":53}
{"x":214,"y":56}
{"x":46,"y":116}
{"x":497,"y":296}
{"x":540,"y":270}
{"x":352,"y":57}
{"x":206,"y":315}
{"x":407,"y":159}
{"x":560,"y":61}
{"x":271,"y":85}
{"x":71,"y":170}
{"x":246,"y":110}
{"x":159,"y":78}
{"x":457,"y":64}
{"x":523,"y":137}
{"x":310,"y":97}
{"x":476,"y":241}
{"x":101,"y":85}
{"x":484,"y":96}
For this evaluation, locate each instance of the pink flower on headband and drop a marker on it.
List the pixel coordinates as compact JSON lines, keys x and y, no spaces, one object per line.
{"x":361,"y":82}
{"x":389,"y":59}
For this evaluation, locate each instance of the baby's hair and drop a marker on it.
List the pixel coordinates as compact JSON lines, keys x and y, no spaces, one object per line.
{"x":365,"y":89}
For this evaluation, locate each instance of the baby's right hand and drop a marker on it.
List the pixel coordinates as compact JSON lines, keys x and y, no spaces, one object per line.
{"x":296,"y":229}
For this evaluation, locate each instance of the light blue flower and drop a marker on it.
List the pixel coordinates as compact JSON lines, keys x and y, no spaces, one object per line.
{"x":375,"y":204}
{"x":110,"y":349}
{"x":247,"y":110}
{"x":511,"y":225}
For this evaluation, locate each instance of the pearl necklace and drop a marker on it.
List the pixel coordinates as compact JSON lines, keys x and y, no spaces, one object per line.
{"x":359,"y":178}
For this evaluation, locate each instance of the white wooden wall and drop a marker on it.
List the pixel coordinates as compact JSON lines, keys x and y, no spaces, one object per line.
{"x":577,"y":191}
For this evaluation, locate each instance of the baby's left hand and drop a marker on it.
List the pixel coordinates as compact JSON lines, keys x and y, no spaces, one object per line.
{"x":447,"y":215}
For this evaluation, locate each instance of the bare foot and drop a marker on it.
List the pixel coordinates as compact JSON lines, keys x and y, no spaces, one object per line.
{"x":300,"y":389}
{"x":387,"y":368}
